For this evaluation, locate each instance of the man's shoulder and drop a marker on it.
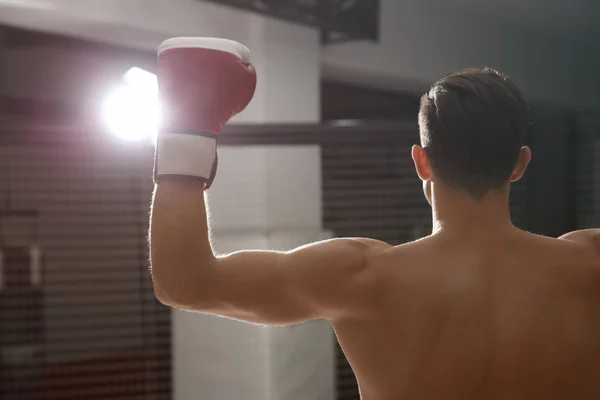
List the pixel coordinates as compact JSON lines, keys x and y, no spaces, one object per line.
{"x":586,"y":237}
{"x":579,"y":248}
{"x":582,"y":242}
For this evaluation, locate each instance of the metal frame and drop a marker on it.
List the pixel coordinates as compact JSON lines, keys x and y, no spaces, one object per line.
{"x":338,"y":20}
{"x":29,"y":131}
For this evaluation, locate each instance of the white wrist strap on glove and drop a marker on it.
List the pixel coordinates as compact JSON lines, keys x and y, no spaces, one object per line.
{"x":186,"y":154}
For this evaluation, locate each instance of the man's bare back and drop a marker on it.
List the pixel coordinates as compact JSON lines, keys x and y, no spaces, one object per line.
{"x":494,"y":316}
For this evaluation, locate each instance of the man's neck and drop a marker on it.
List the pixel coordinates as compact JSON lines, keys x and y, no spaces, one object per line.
{"x":457,"y":211}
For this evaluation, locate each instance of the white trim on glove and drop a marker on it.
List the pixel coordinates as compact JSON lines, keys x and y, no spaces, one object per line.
{"x":185,"y":154}
{"x":225,"y":45}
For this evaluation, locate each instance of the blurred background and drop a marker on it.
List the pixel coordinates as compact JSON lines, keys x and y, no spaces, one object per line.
{"x":323,"y":150}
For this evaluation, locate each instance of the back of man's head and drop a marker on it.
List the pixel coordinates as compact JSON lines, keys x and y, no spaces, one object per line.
{"x":472,"y":125}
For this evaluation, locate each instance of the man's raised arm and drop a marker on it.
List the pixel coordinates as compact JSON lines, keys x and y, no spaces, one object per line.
{"x":202,"y":83}
{"x":323,"y":280}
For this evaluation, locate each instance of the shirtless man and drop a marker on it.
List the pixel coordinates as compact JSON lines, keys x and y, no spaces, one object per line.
{"x":477,"y":310}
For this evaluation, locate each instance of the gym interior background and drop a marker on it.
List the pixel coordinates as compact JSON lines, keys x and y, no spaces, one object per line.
{"x":322,"y":151}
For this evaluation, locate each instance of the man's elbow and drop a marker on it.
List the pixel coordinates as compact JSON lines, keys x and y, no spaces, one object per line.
{"x":181,"y":299}
{"x":185,"y":292}
{"x":179,"y":278}
{"x":162,"y":298}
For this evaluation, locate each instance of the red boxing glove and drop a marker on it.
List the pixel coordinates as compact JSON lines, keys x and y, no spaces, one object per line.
{"x":202,"y":82}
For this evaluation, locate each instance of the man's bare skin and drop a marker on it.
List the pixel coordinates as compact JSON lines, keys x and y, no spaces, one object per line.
{"x":477,"y":310}
{"x":496,"y":315}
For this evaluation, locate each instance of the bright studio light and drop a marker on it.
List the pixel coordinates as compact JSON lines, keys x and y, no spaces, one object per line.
{"x":132,"y":110}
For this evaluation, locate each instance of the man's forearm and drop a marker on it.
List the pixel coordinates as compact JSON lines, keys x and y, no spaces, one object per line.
{"x":180,"y":251}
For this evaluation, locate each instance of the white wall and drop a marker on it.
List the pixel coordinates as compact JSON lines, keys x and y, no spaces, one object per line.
{"x":135,"y":23}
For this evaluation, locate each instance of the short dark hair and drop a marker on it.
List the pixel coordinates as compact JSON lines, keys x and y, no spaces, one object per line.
{"x":472,"y":125}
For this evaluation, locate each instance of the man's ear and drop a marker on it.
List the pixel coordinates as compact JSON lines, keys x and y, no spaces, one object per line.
{"x":421,"y":161}
{"x":522,"y":163}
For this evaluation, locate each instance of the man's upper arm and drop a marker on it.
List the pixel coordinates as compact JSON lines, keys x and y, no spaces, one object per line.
{"x":322,"y":280}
